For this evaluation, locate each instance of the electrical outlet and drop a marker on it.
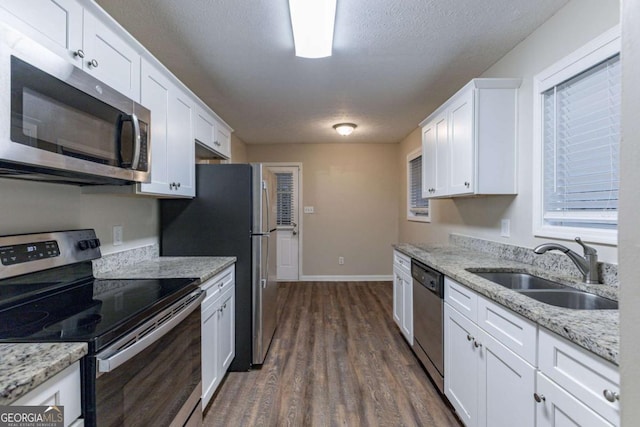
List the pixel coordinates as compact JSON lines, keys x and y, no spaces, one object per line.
{"x":117,"y":235}
{"x":505,"y":228}
{"x":309,"y":209}
{"x":341,"y":260}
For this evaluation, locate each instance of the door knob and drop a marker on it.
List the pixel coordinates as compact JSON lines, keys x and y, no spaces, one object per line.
{"x":79,"y":53}
{"x":93,"y":63}
{"x":611,"y":396}
{"x":539,"y":397}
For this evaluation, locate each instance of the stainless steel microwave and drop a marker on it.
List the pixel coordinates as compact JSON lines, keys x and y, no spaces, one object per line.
{"x":60,"y":124}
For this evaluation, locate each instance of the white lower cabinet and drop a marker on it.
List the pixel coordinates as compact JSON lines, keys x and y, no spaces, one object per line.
{"x":403,"y":295}
{"x":488,"y":384}
{"x":583,"y":380}
{"x":502,"y":370}
{"x":63,"y":389}
{"x":218,"y":331}
{"x":559,"y":408}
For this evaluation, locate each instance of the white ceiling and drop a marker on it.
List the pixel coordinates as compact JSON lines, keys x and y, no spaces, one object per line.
{"x":393,"y":62}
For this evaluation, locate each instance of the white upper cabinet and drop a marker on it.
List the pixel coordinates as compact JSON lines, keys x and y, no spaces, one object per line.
{"x":469,"y":143}
{"x":109,"y":58}
{"x":55,"y":24}
{"x":75,"y":33}
{"x":212,"y":134}
{"x":172,"y":148}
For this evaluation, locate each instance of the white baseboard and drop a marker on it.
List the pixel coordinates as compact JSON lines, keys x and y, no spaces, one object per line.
{"x":378,"y":278}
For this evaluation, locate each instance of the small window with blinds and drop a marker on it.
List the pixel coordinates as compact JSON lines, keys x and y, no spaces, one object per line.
{"x":285,"y":194}
{"x":580,"y":151}
{"x":417,"y":207}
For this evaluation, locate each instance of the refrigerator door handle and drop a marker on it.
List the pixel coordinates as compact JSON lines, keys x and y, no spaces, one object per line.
{"x":266,"y":194}
{"x":263,"y":282}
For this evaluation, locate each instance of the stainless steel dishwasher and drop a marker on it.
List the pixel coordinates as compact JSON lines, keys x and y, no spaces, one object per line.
{"x":428,"y":307}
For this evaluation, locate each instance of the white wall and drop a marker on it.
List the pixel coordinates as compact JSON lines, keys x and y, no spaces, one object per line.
{"x":574,"y":25}
{"x":630,"y":206}
{"x":29,"y":207}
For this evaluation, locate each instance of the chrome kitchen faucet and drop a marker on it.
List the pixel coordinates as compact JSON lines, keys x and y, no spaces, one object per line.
{"x":588,"y":265}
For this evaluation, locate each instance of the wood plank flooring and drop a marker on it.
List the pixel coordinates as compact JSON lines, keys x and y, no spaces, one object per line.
{"x":337,"y":359}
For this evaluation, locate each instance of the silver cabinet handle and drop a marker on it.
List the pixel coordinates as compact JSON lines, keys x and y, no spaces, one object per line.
{"x":469,"y":337}
{"x":79,"y":53}
{"x":178,"y":185}
{"x":539,"y":397}
{"x":611,"y":396}
{"x":467,"y":184}
{"x":93,"y":63}
{"x":477,"y":344}
{"x":217,"y":143}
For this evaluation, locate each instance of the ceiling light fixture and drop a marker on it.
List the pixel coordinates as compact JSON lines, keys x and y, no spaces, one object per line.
{"x":345,"y":129}
{"x":312,"y":22}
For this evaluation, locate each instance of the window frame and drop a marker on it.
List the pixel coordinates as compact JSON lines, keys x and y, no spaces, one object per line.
{"x":599,"y":49}
{"x":411,"y":216}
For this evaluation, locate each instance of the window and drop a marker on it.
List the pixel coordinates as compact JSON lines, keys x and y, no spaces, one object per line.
{"x":285,"y":194}
{"x":578,"y":144}
{"x":417,"y":207}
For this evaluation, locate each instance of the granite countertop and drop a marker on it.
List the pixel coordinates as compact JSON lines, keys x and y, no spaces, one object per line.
{"x":202,"y":268}
{"x":26,"y":366}
{"x":595,"y":330}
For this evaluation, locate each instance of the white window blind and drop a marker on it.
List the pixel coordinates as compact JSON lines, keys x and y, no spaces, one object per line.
{"x":417,"y":205}
{"x":285,"y":194}
{"x":581,"y":143}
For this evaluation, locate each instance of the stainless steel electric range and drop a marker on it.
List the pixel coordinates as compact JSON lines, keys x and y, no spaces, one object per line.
{"x":143,"y":336}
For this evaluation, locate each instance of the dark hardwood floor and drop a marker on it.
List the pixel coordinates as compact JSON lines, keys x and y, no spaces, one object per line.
{"x":337,"y":359}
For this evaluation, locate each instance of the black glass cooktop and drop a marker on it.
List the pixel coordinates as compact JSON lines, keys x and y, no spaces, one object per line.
{"x":83,"y":310}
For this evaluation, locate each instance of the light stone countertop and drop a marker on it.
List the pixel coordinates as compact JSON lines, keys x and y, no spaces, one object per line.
{"x":202,"y":268}
{"x":595,"y":330}
{"x":23,"y":367}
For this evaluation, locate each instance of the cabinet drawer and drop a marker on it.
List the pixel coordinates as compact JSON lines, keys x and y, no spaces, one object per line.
{"x":402,"y":262}
{"x":461,"y":298}
{"x":218,"y":283}
{"x":581,"y":373}
{"x":512,"y":330}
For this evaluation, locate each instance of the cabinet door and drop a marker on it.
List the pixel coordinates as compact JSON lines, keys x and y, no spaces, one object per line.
{"x":205,"y":128}
{"x":226,"y":331}
{"x":461,"y":365}
{"x":109,"y":58}
{"x":461,"y":144}
{"x":558,"y":408}
{"x":180,"y":146}
{"x":506,"y":386}
{"x":210,"y":355}
{"x":429,"y":154}
{"x":222,"y":141}
{"x":397,"y":298}
{"x":155,"y":96}
{"x":55,"y":24}
{"x":407,"y":307}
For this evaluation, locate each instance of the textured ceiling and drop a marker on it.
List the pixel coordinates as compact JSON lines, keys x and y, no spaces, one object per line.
{"x":393,"y":62}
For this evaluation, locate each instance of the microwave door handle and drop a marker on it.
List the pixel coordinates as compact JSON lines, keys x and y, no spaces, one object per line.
{"x":135,"y":161}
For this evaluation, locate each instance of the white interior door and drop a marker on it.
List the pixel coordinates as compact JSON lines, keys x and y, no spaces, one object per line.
{"x":287,"y":178}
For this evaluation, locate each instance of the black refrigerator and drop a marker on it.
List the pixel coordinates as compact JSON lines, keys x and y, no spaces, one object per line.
{"x":233,"y":214}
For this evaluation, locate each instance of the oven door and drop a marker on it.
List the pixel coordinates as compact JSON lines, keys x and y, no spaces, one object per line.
{"x":152,"y":376}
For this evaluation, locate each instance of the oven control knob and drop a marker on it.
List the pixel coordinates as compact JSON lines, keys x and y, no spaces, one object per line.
{"x":83,"y":245}
{"x":92,"y":244}
{"x":97,"y":242}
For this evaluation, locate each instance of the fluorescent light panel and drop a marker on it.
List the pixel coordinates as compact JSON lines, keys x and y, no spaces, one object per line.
{"x":312,"y":22}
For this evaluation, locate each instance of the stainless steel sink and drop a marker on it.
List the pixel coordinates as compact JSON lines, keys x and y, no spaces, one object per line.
{"x":519,"y":281}
{"x":572,"y":299}
{"x":547,"y":291}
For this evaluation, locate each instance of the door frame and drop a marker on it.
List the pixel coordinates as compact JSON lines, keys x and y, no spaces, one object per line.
{"x":300,"y":205}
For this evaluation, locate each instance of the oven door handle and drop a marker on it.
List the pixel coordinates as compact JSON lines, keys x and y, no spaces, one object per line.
{"x":121,"y":352}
